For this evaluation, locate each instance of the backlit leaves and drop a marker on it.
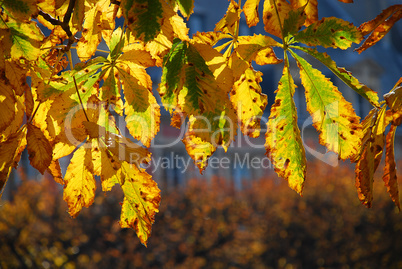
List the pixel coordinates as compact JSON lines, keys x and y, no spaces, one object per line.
{"x":330,"y":32}
{"x":208,"y":84}
{"x":332,"y":115}
{"x":283,"y":141}
{"x":379,"y":26}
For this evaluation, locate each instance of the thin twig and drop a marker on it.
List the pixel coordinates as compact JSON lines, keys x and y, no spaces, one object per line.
{"x":64,"y":24}
{"x":79,"y":97}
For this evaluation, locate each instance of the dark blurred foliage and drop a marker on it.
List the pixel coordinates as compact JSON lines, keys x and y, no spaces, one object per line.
{"x":209,"y":224}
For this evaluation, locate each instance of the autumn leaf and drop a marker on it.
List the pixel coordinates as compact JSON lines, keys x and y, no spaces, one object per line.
{"x":20,"y":39}
{"x":248,"y":99}
{"x":79,"y":188}
{"x":20,"y":10}
{"x":250,"y":10}
{"x":371,"y":154}
{"x":394,"y":99}
{"x":332,"y":115}
{"x":310,"y":9}
{"x":203,"y":76}
{"x":186,"y":7}
{"x":141,"y":201}
{"x":16,"y":75}
{"x":11,"y":150}
{"x":274,"y":14}
{"x":330,"y":32}
{"x":39,"y":148}
{"x":141,"y":109}
{"x":143,"y":17}
{"x":344,"y":75}
{"x":228,"y":23}
{"x":389,"y":177}
{"x":379,"y":26}
{"x":283,"y":141}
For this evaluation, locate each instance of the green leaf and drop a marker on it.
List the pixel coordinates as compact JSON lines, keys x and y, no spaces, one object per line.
{"x":143,"y":17}
{"x":20,"y":39}
{"x":116,"y":43}
{"x":185,"y":6}
{"x":334,"y":117}
{"x":295,"y":20}
{"x":141,"y":201}
{"x":330,"y":32}
{"x":343,"y":75}
{"x":283,"y":141}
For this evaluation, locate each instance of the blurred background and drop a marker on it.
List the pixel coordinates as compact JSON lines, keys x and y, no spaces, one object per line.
{"x":237,"y":216}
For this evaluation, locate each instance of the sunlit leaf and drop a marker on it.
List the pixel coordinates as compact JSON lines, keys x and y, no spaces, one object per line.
{"x":371,"y":156}
{"x":141,"y":201}
{"x":228,"y":23}
{"x":39,"y":148}
{"x":143,"y":17}
{"x":389,"y":177}
{"x":275,"y":12}
{"x":79,"y":189}
{"x":330,"y":32}
{"x":248,"y":99}
{"x":379,"y":26}
{"x":250,"y":10}
{"x":21,"y":10}
{"x":332,"y":115}
{"x":310,"y":9}
{"x":343,"y":75}
{"x":11,"y":150}
{"x":283,"y":141}
{"x":20,"y":39}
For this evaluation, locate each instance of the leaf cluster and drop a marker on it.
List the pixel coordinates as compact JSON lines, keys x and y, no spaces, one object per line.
{"x":208,"y":80}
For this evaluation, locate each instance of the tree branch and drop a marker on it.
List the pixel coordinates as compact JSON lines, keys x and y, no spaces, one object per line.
{"x":64,"y":24}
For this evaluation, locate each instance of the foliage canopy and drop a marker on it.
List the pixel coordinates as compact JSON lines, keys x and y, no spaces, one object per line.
{"x":207,"y":80}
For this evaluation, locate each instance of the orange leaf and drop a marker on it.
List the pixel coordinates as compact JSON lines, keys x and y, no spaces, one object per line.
{"x":389,"y":177}
{"x":39,"y":148}
{"x":370,"y":157}
{"x":379,"y":26}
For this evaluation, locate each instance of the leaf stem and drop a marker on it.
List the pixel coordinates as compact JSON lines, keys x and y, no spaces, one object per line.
{"x":79,"y":97}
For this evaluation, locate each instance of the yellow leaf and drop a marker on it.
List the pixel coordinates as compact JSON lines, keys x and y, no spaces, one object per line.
{"x":11,"y":150}
{"x":55,"y":170}
{"x":198,"y":150}
{"x":172,"y":26}
{"x":39,"y":148}
{"x":283,"y":141}
{"x":16,"y":75}
{"x":79,"y":189}
{"x":333,"y":116}
{"x":141,"y":201}
{"x":91,"y":33}
{"x":141,"y":109}
{"x":275,"y":12}
{"x":248,"y":99}
{"x":228,"y":23}
{"x":310,"y":9}
{"x":8,"y":105}
{"x":250,"y":9}
{"x":379,"y":26}
{"x":105,"y":165}
{"x":389,"y":178}
{"x":258,"y":48}
{"x":21,"y":10}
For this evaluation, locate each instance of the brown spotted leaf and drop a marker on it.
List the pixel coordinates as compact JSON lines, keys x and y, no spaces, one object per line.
{"x":390,"y":179}
{"x":332,"y":115}
{"x":379,"y":26}
{"x":283,"y":141}
{"x":371,"y":155}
